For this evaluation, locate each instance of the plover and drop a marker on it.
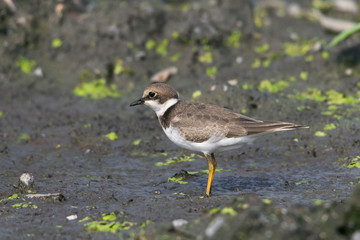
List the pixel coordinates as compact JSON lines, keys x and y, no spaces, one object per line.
{"x":203,"y":127}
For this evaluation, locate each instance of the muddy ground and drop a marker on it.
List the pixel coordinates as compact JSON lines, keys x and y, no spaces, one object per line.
{"x":68,"y":72}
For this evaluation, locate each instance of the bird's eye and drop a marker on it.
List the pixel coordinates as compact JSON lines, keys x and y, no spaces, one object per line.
{"x":152,"y":94}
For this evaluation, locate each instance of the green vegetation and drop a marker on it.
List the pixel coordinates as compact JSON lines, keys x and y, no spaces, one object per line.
{"x":196,"y":94}
{"x":228,"y":210}
{"x":161,"y":49}
{"x":329,"y":126}
{"x":256,"y":63}
{"x":266,"y":201}
{"x":176,"y":160}
{"x":320,"y":134}
{"x":24,"y":137}
{"x":111,"y":136}
{"x":234,"y":39}
{"x":206,"y":58}
{"x":96,"y":89}
{"x":302,"y":182}
{"x":1,"y":114}
{"x":299,"y":47}
{"x":24,"y":205}
{"x":56,"y":43}
{"x":150,"y":44}
{"x":137,"y":142}
{"x":344,"y":34}
{"x":211,"y":71}
{"x":107,"y":224}
{"x":175,"y":57}
{"x":119,"y":67}
{"x":262,"y":48}
{"x":175,"y":35}
{"x":350,"y":162}
{"x":272,"y":87}
{"x":177,"y":179}
{"x":304,"y":75}
{"x":26,"y":65}
{"x":14,"y":196}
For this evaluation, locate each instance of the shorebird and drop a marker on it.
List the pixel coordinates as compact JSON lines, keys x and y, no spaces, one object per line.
{"x":203,"y":127}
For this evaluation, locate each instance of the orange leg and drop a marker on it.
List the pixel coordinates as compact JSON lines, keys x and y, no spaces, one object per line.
{"x":212,"y":167}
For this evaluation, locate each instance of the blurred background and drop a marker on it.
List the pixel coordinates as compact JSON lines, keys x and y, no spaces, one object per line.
{"x":70,"y":68}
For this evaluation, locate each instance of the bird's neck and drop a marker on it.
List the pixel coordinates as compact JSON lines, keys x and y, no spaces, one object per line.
{"x":163,"y":108}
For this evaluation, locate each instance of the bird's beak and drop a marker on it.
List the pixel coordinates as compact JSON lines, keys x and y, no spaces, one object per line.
{"x":137,"y":102}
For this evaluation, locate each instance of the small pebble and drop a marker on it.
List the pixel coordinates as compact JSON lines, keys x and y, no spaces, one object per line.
{"x":348,"y":72}
{"x":178,"y":223}
{"x":233,"y":82}
{"x":239,"y":60}
{"x":225,"y":87}
{"x":72,"y":217}
{"x":356,"y":235}
{"x":27,"y":179}
{"x":38,"y":72}
{"x":213,"y":88}
{"x":157,"y":192}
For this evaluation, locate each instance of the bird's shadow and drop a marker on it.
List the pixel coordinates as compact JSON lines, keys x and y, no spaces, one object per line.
{"x":238,"y":183}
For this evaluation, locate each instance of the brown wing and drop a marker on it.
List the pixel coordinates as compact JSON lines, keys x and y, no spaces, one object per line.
{"x":198,"y":122}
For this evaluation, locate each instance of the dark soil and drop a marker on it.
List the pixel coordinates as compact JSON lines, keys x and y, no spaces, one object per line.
{"x":290,"y":185}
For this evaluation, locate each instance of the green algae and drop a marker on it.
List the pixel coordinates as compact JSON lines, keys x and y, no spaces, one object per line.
{"x":298,"y":48}
{"x":111,"y":136}
{"x":229,"y":211}
{"x":150,"y":44}
{"x":320,"y":134}
{"x":26,"y":65}
{"x":272,"y":87}
{"x":177,"y":179}
{"x":309,"y":58}
{"x":304,"y":75}
{"x":196,"y":94}
{"x":329,"y":127}
{"x":24,"y":205}
{"x":56,"y":43}
{"x":256,"y":63}
{"x":350,"y":162}
{"x":1,"y":114}
{"x":262,"y":48}
{"x":302,"y":182}
{"x":325,"y":55}
{"x":266,"y":201}
{"x":311,"y":94}
{"x":176,"y":160}
{"x":161,"y":49}
{"x":119,"y":67}
{"x":137,"y":142}
{"x":14,"y":196}
{"x":175,"y":34}
{"x":175,"y":57}
{"x":87,"y":125}
{"x":108,"y":223}
{"x":211,"y":71}
{"x":24,"y":137}
{"x":234,"y":39}
{"x":96,"y":89}
{"x":206,"y":58}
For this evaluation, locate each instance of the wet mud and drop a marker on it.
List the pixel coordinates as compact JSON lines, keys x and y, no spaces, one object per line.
{"x":69,"y":71}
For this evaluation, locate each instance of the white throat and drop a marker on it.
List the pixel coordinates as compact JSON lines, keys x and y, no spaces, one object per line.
{"x":160,"y":109}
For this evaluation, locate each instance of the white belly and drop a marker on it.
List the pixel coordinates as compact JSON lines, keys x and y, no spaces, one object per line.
{"x":216,"y":143}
